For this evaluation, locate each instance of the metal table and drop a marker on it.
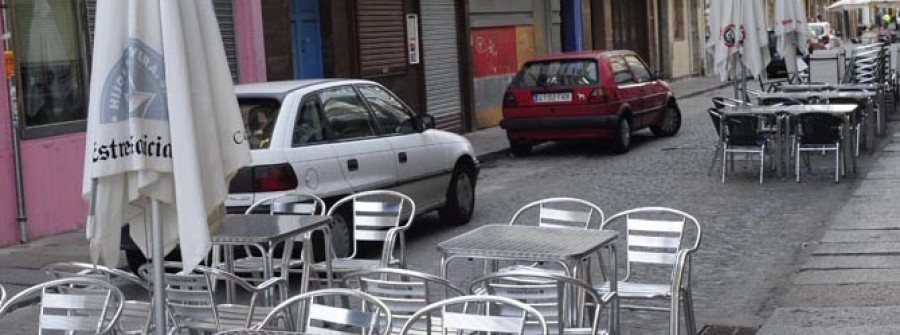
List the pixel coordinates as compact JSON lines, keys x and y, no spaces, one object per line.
{"x":878,"y":89}
{"x":875,"y":121}
{"x":535,"y":244}
{"x":266,"y":232}
{"x":779,"y":112}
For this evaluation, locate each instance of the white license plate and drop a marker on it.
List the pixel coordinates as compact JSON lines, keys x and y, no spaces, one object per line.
{"x":553,"y":97}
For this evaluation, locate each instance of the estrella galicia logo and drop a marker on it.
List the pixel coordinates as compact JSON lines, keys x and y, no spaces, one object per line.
{"x":136,"y":86}
{"x":732,"y":36}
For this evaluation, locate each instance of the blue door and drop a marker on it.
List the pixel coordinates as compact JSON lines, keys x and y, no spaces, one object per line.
{"x":307,"y":39}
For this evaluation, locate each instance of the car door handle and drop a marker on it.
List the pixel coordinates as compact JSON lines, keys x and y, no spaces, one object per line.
{"x":401,"y":157}
{"x":353,"y":165}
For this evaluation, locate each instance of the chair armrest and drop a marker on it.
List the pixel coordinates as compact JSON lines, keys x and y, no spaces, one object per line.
{"x":606,"y":298}
{"x":390,"y":242}
{"x":277,"y":281}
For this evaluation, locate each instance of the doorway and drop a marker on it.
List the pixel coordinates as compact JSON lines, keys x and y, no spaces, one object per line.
{"x":307,"y":39}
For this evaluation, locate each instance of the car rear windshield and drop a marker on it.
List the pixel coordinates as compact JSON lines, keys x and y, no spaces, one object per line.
{"x":574,"y":72}
{"x":259,"y":120}
{"x":818,"y":30}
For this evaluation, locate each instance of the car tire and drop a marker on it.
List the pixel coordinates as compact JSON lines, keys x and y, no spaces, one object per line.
{"x":341,"y":221}
{"x":520,"y":148}
{"x":622,"y":142}
{"x":460,"y":202}
{"x":670,"y":124}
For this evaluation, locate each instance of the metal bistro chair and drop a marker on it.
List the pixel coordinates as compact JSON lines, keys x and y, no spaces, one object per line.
{"x":2,"y":295}
{"x":819,"y":132}
{"x":742,"y":134}
{"x":860,"y":116}
{"x":550,"y":294}
{"x":473,"y":313}
{"x":191,"y":302}
{"x":136,"y":314}
{"x":654,"y":237}
{"x":287,"y":203}
{"x":715,"y":115}
{"x":376,"y":216}
{"x":73,"y":306}
{"x":403,"y":291}
{"x":371,"y":317}
{"x":569,"y":213}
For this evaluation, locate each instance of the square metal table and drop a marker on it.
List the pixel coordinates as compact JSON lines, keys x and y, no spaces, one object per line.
{"x":268,"y":231}
{"x":874,"y":121}
{"x":536,"y":244}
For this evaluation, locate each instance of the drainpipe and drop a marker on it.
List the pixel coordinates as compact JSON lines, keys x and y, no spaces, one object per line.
{"x":21,"y":217}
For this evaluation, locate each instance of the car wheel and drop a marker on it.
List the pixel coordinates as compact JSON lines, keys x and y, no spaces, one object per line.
{"x":341,"y":221}
{"x":670,"y":123}
{"x":520,"y":148}
{"x":622,"y":142}
{"x":460,"y":196}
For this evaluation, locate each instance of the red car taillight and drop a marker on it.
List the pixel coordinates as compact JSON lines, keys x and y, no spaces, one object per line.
{"x":599,"y":95}
{"x":824,"y":39}
{"x":509,"y":100}
{"x":273,"y":178}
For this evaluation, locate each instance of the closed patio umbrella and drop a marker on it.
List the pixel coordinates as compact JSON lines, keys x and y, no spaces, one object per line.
{"x":791,"y":29}
{"x":164,"y":131}
{"x":738,"y":29}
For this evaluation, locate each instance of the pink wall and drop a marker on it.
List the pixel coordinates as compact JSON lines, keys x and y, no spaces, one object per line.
{"x":53,"y":168}
{"x":9,"y":228}
{"x":251,"y":51}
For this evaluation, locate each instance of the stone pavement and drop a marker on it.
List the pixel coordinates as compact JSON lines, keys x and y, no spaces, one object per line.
{"x":850,"y":282}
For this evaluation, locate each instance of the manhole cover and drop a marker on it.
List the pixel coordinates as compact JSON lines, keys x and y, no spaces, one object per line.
{"x":726,"y":330}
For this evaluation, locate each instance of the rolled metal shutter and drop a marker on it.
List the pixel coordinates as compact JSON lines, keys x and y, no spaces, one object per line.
{"x":381,"y":27}
{"x":440,"y":48}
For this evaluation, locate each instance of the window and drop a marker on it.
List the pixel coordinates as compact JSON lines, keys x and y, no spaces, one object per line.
{"x":679,"y":20}
{"x":309,"y":127}
{"x":51,"y":64}
{"x":558,"y":73}
{"x":259,"y":117}
{"x":393,"y":116}
{"x":620,"y":71}
{"x":639,"y":69}
{"x":346,"y":113}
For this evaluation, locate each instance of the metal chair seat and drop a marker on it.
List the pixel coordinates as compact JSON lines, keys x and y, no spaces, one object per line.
{"x":344,"y":265}
{"x":253,"y":264}
{"x":230,"y":317}
{"x":627,"y":290}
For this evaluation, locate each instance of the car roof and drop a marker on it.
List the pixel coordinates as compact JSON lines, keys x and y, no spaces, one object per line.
{"x":278,"y":89}
{"x":583,"y":55}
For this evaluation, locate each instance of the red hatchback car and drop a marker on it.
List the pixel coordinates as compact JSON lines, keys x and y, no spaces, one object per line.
{"x":605,"y":95}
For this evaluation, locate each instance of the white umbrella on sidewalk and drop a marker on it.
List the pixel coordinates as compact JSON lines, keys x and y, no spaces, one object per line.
{"x":738,"y":30}
{"x":792,"y":30}
{"x":164,"y":130}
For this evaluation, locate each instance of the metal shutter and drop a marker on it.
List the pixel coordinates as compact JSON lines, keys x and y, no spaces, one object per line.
{"x":441,"y":54}
{"x":381,"y":27}
{"x":224,"y":15}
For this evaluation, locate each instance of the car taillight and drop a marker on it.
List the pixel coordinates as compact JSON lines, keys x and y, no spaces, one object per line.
{"x":509,"y":100}
{"x":599,"y":95}
{"x":273,"y":178}
{"x":824,"y":39}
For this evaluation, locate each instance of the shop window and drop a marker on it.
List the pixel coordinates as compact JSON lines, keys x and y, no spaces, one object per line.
{"x":51,"y":69}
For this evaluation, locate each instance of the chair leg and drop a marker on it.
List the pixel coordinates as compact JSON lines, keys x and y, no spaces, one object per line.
{"x":837,"y":162}
{"x":724,"y":161}
{"x":762,"y":163}
{"x":690,"y":322}
{"x":797,"y":163}
{"x":712,"y":164}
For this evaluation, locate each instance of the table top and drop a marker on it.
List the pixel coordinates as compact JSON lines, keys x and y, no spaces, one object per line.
{"x":823,"y":95}
{"x":794,"y":109}
{"x":527,"y":242}
{"x":831,"y":86}
{"x":261,"y":228}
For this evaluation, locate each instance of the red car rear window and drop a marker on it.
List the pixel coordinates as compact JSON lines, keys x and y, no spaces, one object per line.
{"x":574,"y":72}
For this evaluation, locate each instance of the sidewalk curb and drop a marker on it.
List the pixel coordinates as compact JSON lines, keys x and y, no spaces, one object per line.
{"x":493,"y":155}
{"x":703,"y":91}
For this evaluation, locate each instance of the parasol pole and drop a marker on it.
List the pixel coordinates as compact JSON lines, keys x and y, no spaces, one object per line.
{"x":159,"y":302}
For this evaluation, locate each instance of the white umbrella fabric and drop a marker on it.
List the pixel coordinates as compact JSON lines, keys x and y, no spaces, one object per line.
{"x":860,"y":4}
{"x":164,"y":130}
{"x":739,"y":28}
{"x":792,"y":29}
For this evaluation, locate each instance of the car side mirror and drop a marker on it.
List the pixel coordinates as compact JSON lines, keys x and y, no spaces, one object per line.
{"x":425,"y":122}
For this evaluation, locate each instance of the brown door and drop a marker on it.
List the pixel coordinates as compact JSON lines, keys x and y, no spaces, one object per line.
{"x":630,"y":22}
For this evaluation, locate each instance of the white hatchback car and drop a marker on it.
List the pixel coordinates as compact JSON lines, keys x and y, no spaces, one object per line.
{"x":334,"y":137}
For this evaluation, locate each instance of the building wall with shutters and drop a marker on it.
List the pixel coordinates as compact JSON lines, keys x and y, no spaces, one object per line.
{"x":504,"y":34}
{"x":440,"y":54}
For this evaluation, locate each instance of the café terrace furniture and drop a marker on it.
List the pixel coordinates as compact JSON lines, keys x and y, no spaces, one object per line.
{"x":311,"y":313}
{"x":2,"y":295}
{"x":478,"y":314}
{"x":552,"y":295}
{"x":72,"y":305}
{"x":286,"y":203}
{"x":136,"y":313}
{"x":715,"y":115}
{"x":377,"y":216}
{"x":742,"y":133}
{"x":654,"y":238}
{"x":819,"y":132}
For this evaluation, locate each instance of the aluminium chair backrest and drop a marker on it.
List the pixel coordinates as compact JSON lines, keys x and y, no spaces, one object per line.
{"x":561,"y":213}
{"x":772,"y":101}
{"x":367,"y":314}
{"x":742,"y":129}
{"x":654,"y":236}
{"x":722,"y":102}
{"x":403,"y":291}
{"x":478,"y":313}
{"x":189,"y":297}
{"x":73,"y":306}
{"x":291,"y":202}
{"x":2,"y":295}
{"x":136,"y":316}
{"x":819,"y":129}
{"x":547,"y":294}
{"x":375,"y":213}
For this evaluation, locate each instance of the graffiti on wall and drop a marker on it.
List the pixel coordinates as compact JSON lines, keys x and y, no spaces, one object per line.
{"x":494,"y":51}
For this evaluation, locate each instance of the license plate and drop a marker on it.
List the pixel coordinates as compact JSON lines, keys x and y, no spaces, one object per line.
{"x":553,"y":97}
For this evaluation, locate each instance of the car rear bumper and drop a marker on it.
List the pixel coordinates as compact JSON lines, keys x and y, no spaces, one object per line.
{"x":560,"y":123}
